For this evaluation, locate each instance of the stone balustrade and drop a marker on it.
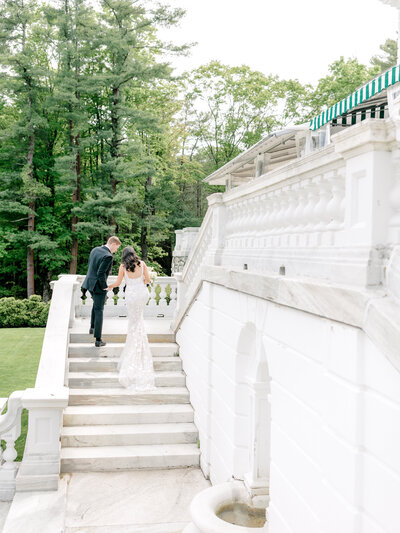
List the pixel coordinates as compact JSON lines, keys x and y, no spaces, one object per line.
{"x":161,"y":303}
{"x":331,"y":215}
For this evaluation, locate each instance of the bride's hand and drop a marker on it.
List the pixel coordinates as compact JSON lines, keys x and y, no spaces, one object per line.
{"x":110,"y":288}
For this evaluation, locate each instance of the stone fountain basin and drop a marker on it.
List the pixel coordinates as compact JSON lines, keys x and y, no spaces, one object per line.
{"x":210,"y":502}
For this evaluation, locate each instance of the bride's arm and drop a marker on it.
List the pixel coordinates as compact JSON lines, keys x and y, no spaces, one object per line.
{"x":117,"y":283}
{"x":146,"y":275}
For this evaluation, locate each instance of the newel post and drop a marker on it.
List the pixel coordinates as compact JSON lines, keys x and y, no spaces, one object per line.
{"x":40,"y":467}
{"x":367,"y":151}
{"x":180,"y":292}
{"x":215,"y":251}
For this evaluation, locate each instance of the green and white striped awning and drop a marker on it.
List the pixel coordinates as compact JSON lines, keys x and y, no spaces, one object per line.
{"x":364,"y":93}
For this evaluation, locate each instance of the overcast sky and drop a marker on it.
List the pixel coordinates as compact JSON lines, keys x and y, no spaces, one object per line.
{"x":291,"y":38}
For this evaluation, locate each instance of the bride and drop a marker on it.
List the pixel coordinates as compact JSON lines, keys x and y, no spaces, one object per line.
{"x":135,"y":367}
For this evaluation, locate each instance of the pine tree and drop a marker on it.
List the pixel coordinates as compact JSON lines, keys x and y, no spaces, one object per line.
{"x":20,"y":41}
{"x":77,"y":28}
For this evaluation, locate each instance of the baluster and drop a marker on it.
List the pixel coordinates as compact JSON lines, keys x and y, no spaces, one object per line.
{"x":300,"y":211}
{"x":281,"y":221}
{"x":89,"y":299}
{"x":152,"y":303}
{"x":173,"y":297}
{"x":8,"y":466}
{"x":10,"y":453}
{"x":334,"y":206}
{"x":274,"y":211}
{"x":121,"y":295}
{"x":110,"y":298}
{"x":311,"y":201}
{"x":290,"y":209}
{"x":321,"y":213}
{"x":163,"y":302}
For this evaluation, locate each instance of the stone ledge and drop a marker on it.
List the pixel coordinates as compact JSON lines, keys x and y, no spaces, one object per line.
{"x":370,"y":310}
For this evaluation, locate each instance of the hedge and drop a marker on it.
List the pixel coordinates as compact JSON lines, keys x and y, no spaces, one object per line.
{"x":28,"y":313}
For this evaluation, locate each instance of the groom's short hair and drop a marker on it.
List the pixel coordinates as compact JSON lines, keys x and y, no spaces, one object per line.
{"x":113,"y":240}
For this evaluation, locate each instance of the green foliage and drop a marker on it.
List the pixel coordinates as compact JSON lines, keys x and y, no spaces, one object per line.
{"x":344,"y":77}
{"x":31,"y":312}
{"x":98,"y":137}
{"x":228,"y":109}
{"x":389,"y":56}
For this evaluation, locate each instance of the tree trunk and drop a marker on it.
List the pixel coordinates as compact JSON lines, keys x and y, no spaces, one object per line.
{"x":114,"y":151}
{"x":30,"y":266}
{"x":144,"y":215}
{"x":46,"y":286}
{"x":76,"y":197}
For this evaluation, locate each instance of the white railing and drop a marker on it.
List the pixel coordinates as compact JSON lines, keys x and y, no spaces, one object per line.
{"x":40,"y":466}
{"x":10,"y":430}
{"x":161,"y":303}
{"x":332,"y":215}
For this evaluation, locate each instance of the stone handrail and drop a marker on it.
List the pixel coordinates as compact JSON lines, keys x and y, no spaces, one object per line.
{"x":161,"y":304}
{"x":40,"y":466}
{"x":333,"y":215}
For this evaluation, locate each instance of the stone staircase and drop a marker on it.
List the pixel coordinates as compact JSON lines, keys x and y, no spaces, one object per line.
{"x":107,"y":428}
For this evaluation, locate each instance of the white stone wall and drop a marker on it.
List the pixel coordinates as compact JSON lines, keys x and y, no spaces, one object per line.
{"x":334,"y":465}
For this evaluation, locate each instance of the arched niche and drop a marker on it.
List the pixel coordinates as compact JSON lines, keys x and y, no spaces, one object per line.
{"x":257,"y":478}
{"x":253,"y":413}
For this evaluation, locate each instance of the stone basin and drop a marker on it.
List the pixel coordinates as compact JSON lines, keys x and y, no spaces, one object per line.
{"x":225,"y":508}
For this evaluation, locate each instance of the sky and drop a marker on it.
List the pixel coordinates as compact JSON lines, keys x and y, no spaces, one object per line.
{"x":290,"y":38}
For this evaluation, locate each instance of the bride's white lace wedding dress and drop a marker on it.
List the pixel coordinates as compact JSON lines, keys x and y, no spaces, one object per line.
{"x":135,"y":367}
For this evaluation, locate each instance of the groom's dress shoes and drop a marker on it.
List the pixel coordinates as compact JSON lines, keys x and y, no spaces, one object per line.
{"x":99,"y":343}
{"x":91,"y":331}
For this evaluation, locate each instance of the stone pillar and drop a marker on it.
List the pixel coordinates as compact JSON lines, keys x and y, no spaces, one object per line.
{"x":214,"y":253}
{"x":40,"y":467}
{"x":184,"y":240}
{"x":366,"y":149}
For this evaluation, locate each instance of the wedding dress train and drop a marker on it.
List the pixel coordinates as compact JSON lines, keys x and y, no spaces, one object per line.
{"x":135,"y":366}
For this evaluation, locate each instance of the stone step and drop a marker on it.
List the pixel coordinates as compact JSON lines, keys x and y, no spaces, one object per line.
{"x":128,"y":435}
{"x":114,"y":349}
{"x":161,"y":395}
{"x":103,"y":364}
{"x":86,"y":338}
{"x":106,"y":380}
{"x":117,"y":458}
{"x":83,"y":415}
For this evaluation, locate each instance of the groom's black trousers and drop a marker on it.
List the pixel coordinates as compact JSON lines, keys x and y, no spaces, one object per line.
{"x":96,"y":320}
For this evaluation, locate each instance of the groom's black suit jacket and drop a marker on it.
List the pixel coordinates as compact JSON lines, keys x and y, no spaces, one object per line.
{"x":99,"y":268}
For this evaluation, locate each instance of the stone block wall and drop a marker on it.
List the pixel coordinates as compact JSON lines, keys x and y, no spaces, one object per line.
{"x":326,"y":447}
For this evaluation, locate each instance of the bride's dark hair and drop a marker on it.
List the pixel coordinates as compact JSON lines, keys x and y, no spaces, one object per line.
{"x":129,"y":259}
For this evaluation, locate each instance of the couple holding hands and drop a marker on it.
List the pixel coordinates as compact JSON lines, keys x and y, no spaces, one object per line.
{"x":136,"y":364}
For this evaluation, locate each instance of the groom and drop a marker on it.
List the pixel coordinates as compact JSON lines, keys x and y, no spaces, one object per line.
{"x":99,"y":268}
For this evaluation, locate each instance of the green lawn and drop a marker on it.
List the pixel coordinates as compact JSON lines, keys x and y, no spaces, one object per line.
{"x":20,"y":350}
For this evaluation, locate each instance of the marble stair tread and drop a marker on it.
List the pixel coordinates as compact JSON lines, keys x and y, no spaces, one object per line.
{"x":126,"y":435}
{"x":99,"y":380}
{"x":119,"y":337}
{"x":161,"y":395}
{"x":115,"y":458}
{"x":96,"y":364}
{"x":80,"y":415}
{"x":113,"y":349}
